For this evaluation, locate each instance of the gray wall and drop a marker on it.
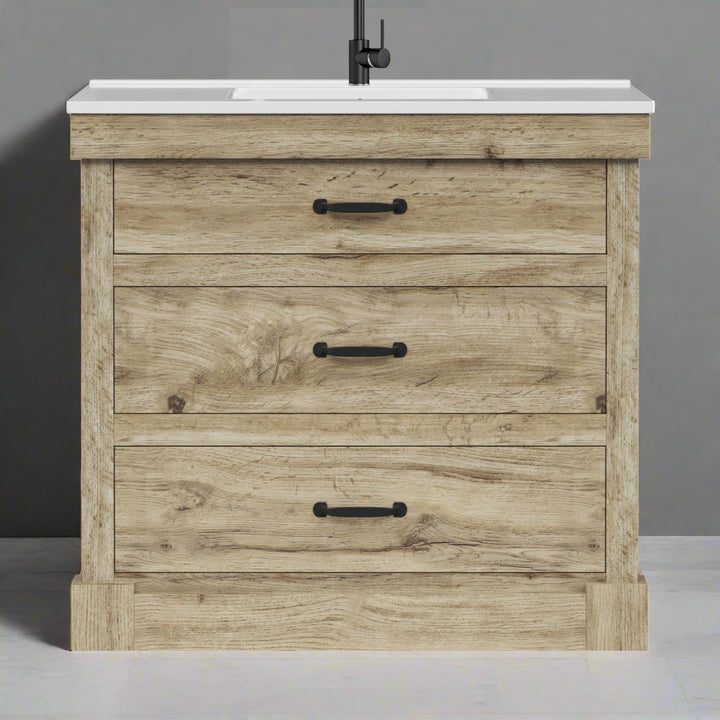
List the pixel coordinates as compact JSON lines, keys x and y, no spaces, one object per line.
{"x":49,"y":49}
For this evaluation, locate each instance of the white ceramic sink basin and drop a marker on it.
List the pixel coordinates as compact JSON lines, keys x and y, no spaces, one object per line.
{"x":358,"y":93}
{"x":297,"y":97}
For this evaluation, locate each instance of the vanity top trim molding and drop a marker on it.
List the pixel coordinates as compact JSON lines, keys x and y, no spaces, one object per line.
{"x":411,"y":137}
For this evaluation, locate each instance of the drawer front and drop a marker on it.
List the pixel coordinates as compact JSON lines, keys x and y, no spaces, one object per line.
{"x":251,"y":509}
{"x":452,"y":206}
{"x":475,"y":350}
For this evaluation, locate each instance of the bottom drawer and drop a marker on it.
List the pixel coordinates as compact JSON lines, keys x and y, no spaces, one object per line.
{"x":250,"y":509}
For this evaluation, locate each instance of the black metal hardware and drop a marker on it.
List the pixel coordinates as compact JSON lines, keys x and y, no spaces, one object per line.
{"x":322,"y":206}
{"x":361,"y":56}
{"x":322,"y":510}
{"x":398,"y":350}
{"x":359,"y":19}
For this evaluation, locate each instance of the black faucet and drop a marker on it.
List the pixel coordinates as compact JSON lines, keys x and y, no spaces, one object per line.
{"x":362,"y":56}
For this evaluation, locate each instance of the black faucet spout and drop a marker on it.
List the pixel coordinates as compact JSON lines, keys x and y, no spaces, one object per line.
{"x":359,"y":19}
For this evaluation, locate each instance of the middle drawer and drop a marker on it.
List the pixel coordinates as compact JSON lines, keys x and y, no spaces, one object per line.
{"x":478,"y":350}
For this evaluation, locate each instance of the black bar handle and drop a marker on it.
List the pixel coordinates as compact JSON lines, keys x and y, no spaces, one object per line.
{"x":398,"y":350}
{"x":321,"y":510}
{"x":322,"y":206}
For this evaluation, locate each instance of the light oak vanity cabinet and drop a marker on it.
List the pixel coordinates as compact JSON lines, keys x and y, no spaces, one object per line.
{"x":410,"y":429}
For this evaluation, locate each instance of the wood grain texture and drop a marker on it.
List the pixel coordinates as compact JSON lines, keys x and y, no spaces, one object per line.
{"x":96,"y":388}
{"x":468,"y":509}
{"x":228,"y":583}
{"x":267,"y":207}
{"x":351,"y":429}
{"x":547,"y":137}
{"x":469,"y":270}
{"x":440,"y":611}
{"x":622,"y":372}
{"x":617,"y":616}
{"x":250,"y":349}
{"x":101,"y":615}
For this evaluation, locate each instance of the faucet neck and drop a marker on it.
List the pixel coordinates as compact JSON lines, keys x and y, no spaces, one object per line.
{"x":359,"y":19}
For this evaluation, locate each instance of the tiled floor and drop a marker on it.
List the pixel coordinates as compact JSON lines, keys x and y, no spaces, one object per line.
{"x":678,"y":678}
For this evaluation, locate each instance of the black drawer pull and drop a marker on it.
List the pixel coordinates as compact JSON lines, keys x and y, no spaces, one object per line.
{"x":397,"y":206}
{"x":322,"y":350}
{"x":322,"y":510}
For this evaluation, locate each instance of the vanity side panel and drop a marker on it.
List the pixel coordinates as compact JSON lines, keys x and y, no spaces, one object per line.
{"x":96,"y":279}
{"x":622,"y":371}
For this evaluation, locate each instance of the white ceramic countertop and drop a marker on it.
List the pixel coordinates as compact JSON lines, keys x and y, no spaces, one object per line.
{"x":482,"y":97}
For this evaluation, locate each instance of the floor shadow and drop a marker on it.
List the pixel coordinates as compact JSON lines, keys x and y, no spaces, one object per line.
{"x":40,"y":613}
{"x":40,"y":391}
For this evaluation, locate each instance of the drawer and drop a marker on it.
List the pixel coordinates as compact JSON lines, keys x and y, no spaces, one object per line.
{"x":252,"y":509}
{"x":452,"y":206}
{"x":475,"y":350}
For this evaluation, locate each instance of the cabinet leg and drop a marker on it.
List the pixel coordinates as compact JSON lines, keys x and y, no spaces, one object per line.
{"x":101,"y":616}
{"x":617,"y":616}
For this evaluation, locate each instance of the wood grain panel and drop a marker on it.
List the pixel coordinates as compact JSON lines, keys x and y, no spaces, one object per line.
{"x":351,"y":429}
{"x":468,"y":509}
{"x":453,"y":206}
{"x":96,"y":370}
{"x":469,"y":270}
{"x":622,"y":372}
{"x":440,"y":611}
{"x":547,"y":137}
{"x":101,"y":615}
{"x":617,"y":616}
{"x":234,"y":350}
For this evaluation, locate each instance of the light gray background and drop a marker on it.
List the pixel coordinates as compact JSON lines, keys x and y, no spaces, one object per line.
{"x":670,"y":49}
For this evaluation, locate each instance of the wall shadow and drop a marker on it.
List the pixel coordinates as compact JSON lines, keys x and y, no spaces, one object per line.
{"x":40,"y":391}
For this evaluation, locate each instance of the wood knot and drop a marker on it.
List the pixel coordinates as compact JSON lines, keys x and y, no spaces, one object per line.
{"x":493,"y":153}
{"x":176,"y":404}
{"x":165,"y":545}
{"x":600,"y":404}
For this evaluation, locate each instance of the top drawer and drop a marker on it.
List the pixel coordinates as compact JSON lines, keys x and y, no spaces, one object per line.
{"x":459,"y":206}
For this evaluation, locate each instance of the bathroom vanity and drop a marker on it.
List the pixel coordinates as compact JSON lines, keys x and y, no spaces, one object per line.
{"x":359,"y":367}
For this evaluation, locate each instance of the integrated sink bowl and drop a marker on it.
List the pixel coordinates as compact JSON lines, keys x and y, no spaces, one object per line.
{"x":358,"y":93}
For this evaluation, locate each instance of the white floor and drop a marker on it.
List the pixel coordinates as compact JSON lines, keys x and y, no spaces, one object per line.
{"x":678,"y":678}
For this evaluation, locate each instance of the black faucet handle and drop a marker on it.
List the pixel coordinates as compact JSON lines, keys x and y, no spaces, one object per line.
{"x":362,"y":56}
{"x":378,"y":57}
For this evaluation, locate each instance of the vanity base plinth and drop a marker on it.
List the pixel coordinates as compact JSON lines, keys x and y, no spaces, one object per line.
{"x":617,"y":616}
{"x":359,"y":611}
{"x":101,"y":615}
